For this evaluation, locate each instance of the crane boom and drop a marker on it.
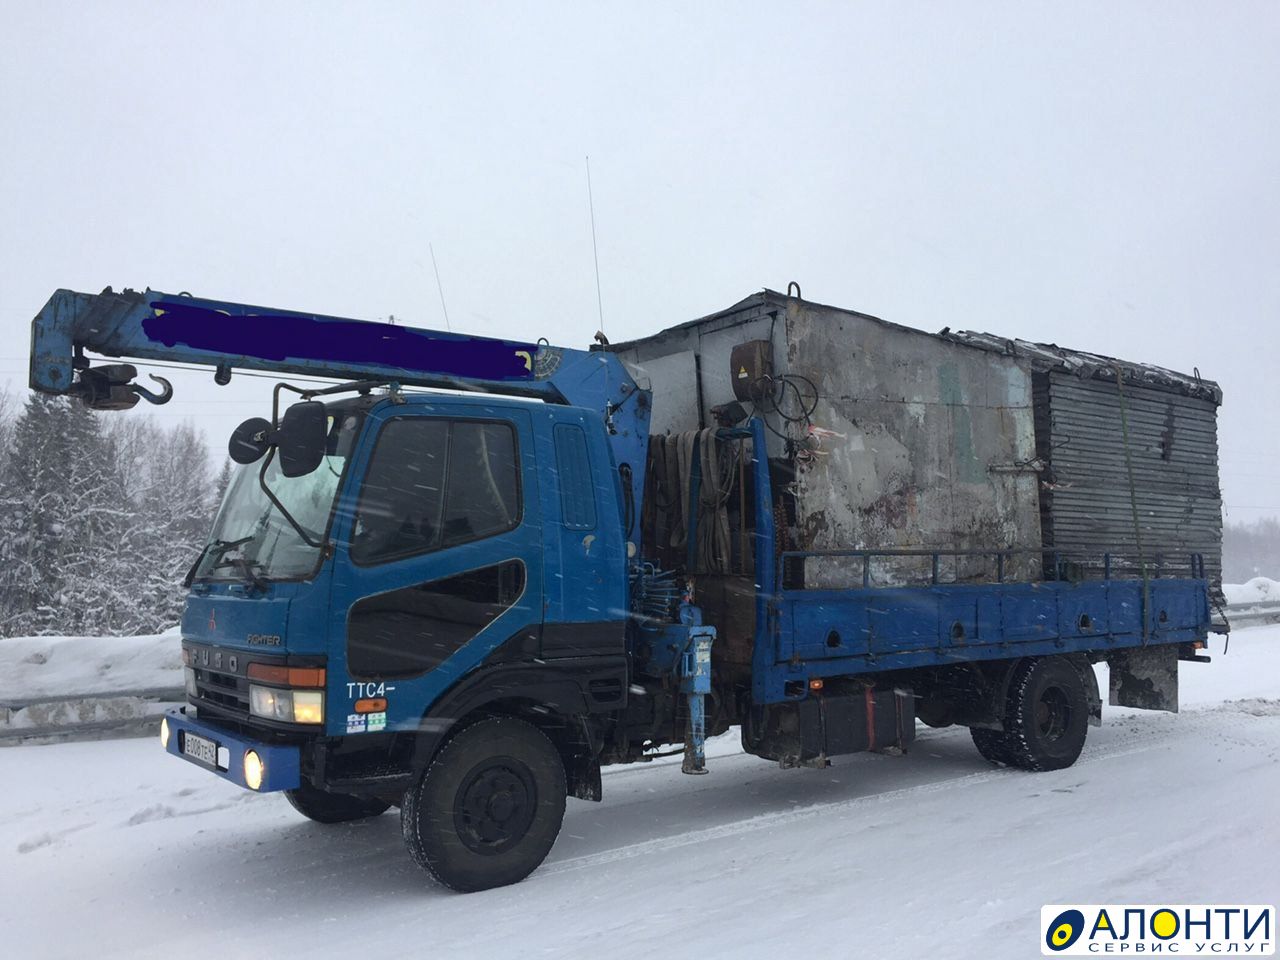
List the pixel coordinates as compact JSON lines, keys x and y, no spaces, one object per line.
{"x":150,"y":325}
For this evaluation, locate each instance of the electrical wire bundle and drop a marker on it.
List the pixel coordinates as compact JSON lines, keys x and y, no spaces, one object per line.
{"x":772,"y":392}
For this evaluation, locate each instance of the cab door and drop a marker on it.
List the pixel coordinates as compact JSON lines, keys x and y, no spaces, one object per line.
{"x":438,"y":559}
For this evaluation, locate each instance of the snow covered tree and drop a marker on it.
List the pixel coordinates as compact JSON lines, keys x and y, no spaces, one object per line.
{"x":63,"y":518}
{"x":172,"y":502}
{"x":100,"y":518}
{"x":6,"y":419}
{"x":220,"y":485}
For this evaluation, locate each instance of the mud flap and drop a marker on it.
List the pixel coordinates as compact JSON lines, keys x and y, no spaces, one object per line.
{"x":1091,"y":693}
{"x":1146,"y":678}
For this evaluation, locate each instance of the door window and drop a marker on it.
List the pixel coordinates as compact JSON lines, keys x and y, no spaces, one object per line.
{"x":436,"y":483}
{"x":406,"y":632}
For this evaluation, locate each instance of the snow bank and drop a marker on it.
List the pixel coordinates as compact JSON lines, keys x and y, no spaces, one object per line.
{"x":32,"y":668}
{"x":1257,"y":590}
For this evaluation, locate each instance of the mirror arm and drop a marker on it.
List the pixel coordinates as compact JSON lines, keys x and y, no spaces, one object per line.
{"x":275,"y":401}
{"x":262,"y":482}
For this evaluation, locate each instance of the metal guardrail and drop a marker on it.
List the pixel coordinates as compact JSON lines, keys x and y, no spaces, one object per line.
{"x":1253,"y":614}
{"x":91,"y":716}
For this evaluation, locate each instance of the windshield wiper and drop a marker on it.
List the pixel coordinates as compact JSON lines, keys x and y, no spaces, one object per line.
{"x":246,"y":570}
{"x":221,"y":546}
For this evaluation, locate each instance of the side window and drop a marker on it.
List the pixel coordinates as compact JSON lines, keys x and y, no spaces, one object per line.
{"x":483,"y":495}
{"x":573,"y":470}
{"x":435,"y":483}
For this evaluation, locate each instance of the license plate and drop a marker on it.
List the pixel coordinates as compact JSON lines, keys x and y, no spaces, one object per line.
{"x":201,"y":749}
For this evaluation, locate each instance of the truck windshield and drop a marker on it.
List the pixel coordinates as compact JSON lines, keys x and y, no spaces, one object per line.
{"x":250,"y":528}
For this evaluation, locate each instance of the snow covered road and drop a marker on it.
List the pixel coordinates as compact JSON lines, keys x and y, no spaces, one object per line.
{"x":114,"y":849}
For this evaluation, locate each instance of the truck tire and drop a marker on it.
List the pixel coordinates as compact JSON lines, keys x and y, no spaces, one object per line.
{"x":1048,"y":715}
{"x":325,"y":807}
{"x":487,"y":809}
{"x":992,"y":744}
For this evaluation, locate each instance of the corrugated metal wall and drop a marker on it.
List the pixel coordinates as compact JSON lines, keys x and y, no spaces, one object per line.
{"x":1173,"y":447}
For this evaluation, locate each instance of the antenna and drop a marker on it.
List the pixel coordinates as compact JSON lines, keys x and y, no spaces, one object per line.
{"x":440,"y":287}
{"x":595,"y":251}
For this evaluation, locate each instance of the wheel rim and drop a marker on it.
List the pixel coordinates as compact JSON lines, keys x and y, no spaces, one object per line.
{"x":494,"y":806}
{"x":1053,"y":714}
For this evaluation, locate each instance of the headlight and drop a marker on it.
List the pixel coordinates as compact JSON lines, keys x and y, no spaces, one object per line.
{"x":164,"y":732}
{"x":308,"y":706}
{"x":253,"y":769}
{"x":291,"y":706}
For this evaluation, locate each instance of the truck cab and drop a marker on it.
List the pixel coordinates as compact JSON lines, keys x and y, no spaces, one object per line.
{"x":440,"y":538}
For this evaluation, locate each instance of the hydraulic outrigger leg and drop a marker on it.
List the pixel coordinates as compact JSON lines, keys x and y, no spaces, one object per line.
{"x":695,"y":684}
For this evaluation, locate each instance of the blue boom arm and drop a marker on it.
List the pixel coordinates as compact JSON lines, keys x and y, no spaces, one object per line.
{"x":227,"y":336}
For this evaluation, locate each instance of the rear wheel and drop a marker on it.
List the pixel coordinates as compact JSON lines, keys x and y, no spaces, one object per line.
{"x":325,"y":807}
{"x":487,"y":810}
{"x":992,"y":744}
{"x":1046,"y":718}
{"x":1048,"y":715}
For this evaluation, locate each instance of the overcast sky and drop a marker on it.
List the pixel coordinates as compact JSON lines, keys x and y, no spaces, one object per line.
{"x":1105,"y":176}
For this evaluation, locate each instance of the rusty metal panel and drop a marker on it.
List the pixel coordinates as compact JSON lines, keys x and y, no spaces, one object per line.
{"x":1171,"y":462}
{"x":929,"y":444}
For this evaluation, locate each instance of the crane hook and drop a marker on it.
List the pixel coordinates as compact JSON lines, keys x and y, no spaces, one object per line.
{"x":164,"y":396}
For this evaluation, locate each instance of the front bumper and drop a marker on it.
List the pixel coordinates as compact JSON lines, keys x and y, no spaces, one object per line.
{"x":281,"y":763}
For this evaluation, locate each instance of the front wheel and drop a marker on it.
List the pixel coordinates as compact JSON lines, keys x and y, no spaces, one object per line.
{"x":333,"y":807}
{"x":488,"y":808}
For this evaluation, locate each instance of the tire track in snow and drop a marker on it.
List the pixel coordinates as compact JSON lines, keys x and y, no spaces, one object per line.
{"x":768,"y":821}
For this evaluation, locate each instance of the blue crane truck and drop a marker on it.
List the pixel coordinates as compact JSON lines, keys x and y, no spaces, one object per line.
{"x":435,"y":584}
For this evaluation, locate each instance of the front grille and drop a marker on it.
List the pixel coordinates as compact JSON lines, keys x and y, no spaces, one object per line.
{"x":222,"y":691}
{"x":222,"y":682}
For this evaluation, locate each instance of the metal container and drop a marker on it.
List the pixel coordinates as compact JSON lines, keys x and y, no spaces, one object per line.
{"x":882,"y":436}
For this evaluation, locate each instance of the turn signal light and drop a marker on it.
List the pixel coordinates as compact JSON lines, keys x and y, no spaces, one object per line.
{"x":287,"y":676}
{"x":376,"y":705}
{"x":815,"y":683}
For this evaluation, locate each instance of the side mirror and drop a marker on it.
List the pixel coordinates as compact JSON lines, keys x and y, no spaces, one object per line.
{"x":302,"y":437}
{"x":250,"y":441}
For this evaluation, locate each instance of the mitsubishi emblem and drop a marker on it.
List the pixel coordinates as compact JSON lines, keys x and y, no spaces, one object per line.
{"x":213,"y":620}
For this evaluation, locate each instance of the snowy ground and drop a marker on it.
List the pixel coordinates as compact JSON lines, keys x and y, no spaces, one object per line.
{"x":115,"y":849}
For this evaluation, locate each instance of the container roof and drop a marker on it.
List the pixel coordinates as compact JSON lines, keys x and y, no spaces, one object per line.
{"x":1040,"y":356}
{"x":1090,"y":366}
